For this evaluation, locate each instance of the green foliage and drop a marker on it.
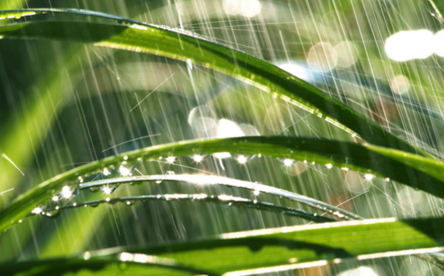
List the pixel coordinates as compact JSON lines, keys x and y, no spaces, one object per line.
{"x":362,"y":146}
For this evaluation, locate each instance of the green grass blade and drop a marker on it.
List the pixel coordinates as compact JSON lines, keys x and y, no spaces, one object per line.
{"x":217,"y":199}
{"x":283,"y":248}
{"x":413,"y":170}
{"x":181,"y":45}
{"x":228,"y":182}
{"x":98,"y":266}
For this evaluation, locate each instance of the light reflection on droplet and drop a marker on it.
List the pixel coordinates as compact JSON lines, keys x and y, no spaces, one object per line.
{"x":124,"y":171}
{"x":55,"y":198}
{"x":171,"y":159}
{"x":107,"y":190}
{"x":197,"y":158}
{"x":106,"y":172}
{"x":329,"y":166}
{"x":368,"y":176}
{"x":66,"y":192}
{"x":288,"y":162}
{"x":242,"y":159}
{"x":37,"y":210}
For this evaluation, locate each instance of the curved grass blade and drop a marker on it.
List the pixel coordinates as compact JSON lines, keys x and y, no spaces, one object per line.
{"x":229,"y":182}
{"x":112,"y":265}
{"x":413,"y":170}
{"x":285,"y":248}
{"x":187,"y":46}
{"x":220,"y":199}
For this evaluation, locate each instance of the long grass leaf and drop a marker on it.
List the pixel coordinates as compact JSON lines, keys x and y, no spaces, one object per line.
{"x":187,"y":46}
{"x":413,"y":170}
{"x":277,"y":249}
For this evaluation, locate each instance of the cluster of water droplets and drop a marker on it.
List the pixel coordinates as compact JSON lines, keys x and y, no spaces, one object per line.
{"x":108,"y":179}
{"x":67,"y":195}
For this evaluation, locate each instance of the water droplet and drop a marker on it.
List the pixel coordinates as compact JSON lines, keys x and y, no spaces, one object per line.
{"x":106,"y":172}
{"x":387,"y":179}
{"x":198,"y":157}
{"x":94,"y":204}
{"x":158,"y":181}
{"x":125,"y":158}
{"x":130,"y":202}
{"x":287,"y":162}
{"x":170,"y":159}
{"x":329,"y":166}
{"x":37,"y":210}
{"x":256,"y":192}
{"x":368,"y":176}
{"x":124,"y":171}
{"x":108,"y":189}
{"x":74,"y":204}
{"x":170,"y":173}
{"x":55,"y":198}
{"x":242,"y":158}
{"x":52,"y":214}
{"x":66,"y":191}
{"x":344,"y":169}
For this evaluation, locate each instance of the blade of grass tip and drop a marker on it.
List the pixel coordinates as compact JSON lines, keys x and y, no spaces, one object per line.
{"x":410,"y":169}
{"x":187,"y":46}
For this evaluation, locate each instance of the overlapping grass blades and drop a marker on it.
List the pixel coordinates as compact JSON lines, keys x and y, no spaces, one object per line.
{"x":416,"y":171}
{"x":252,"y":252}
